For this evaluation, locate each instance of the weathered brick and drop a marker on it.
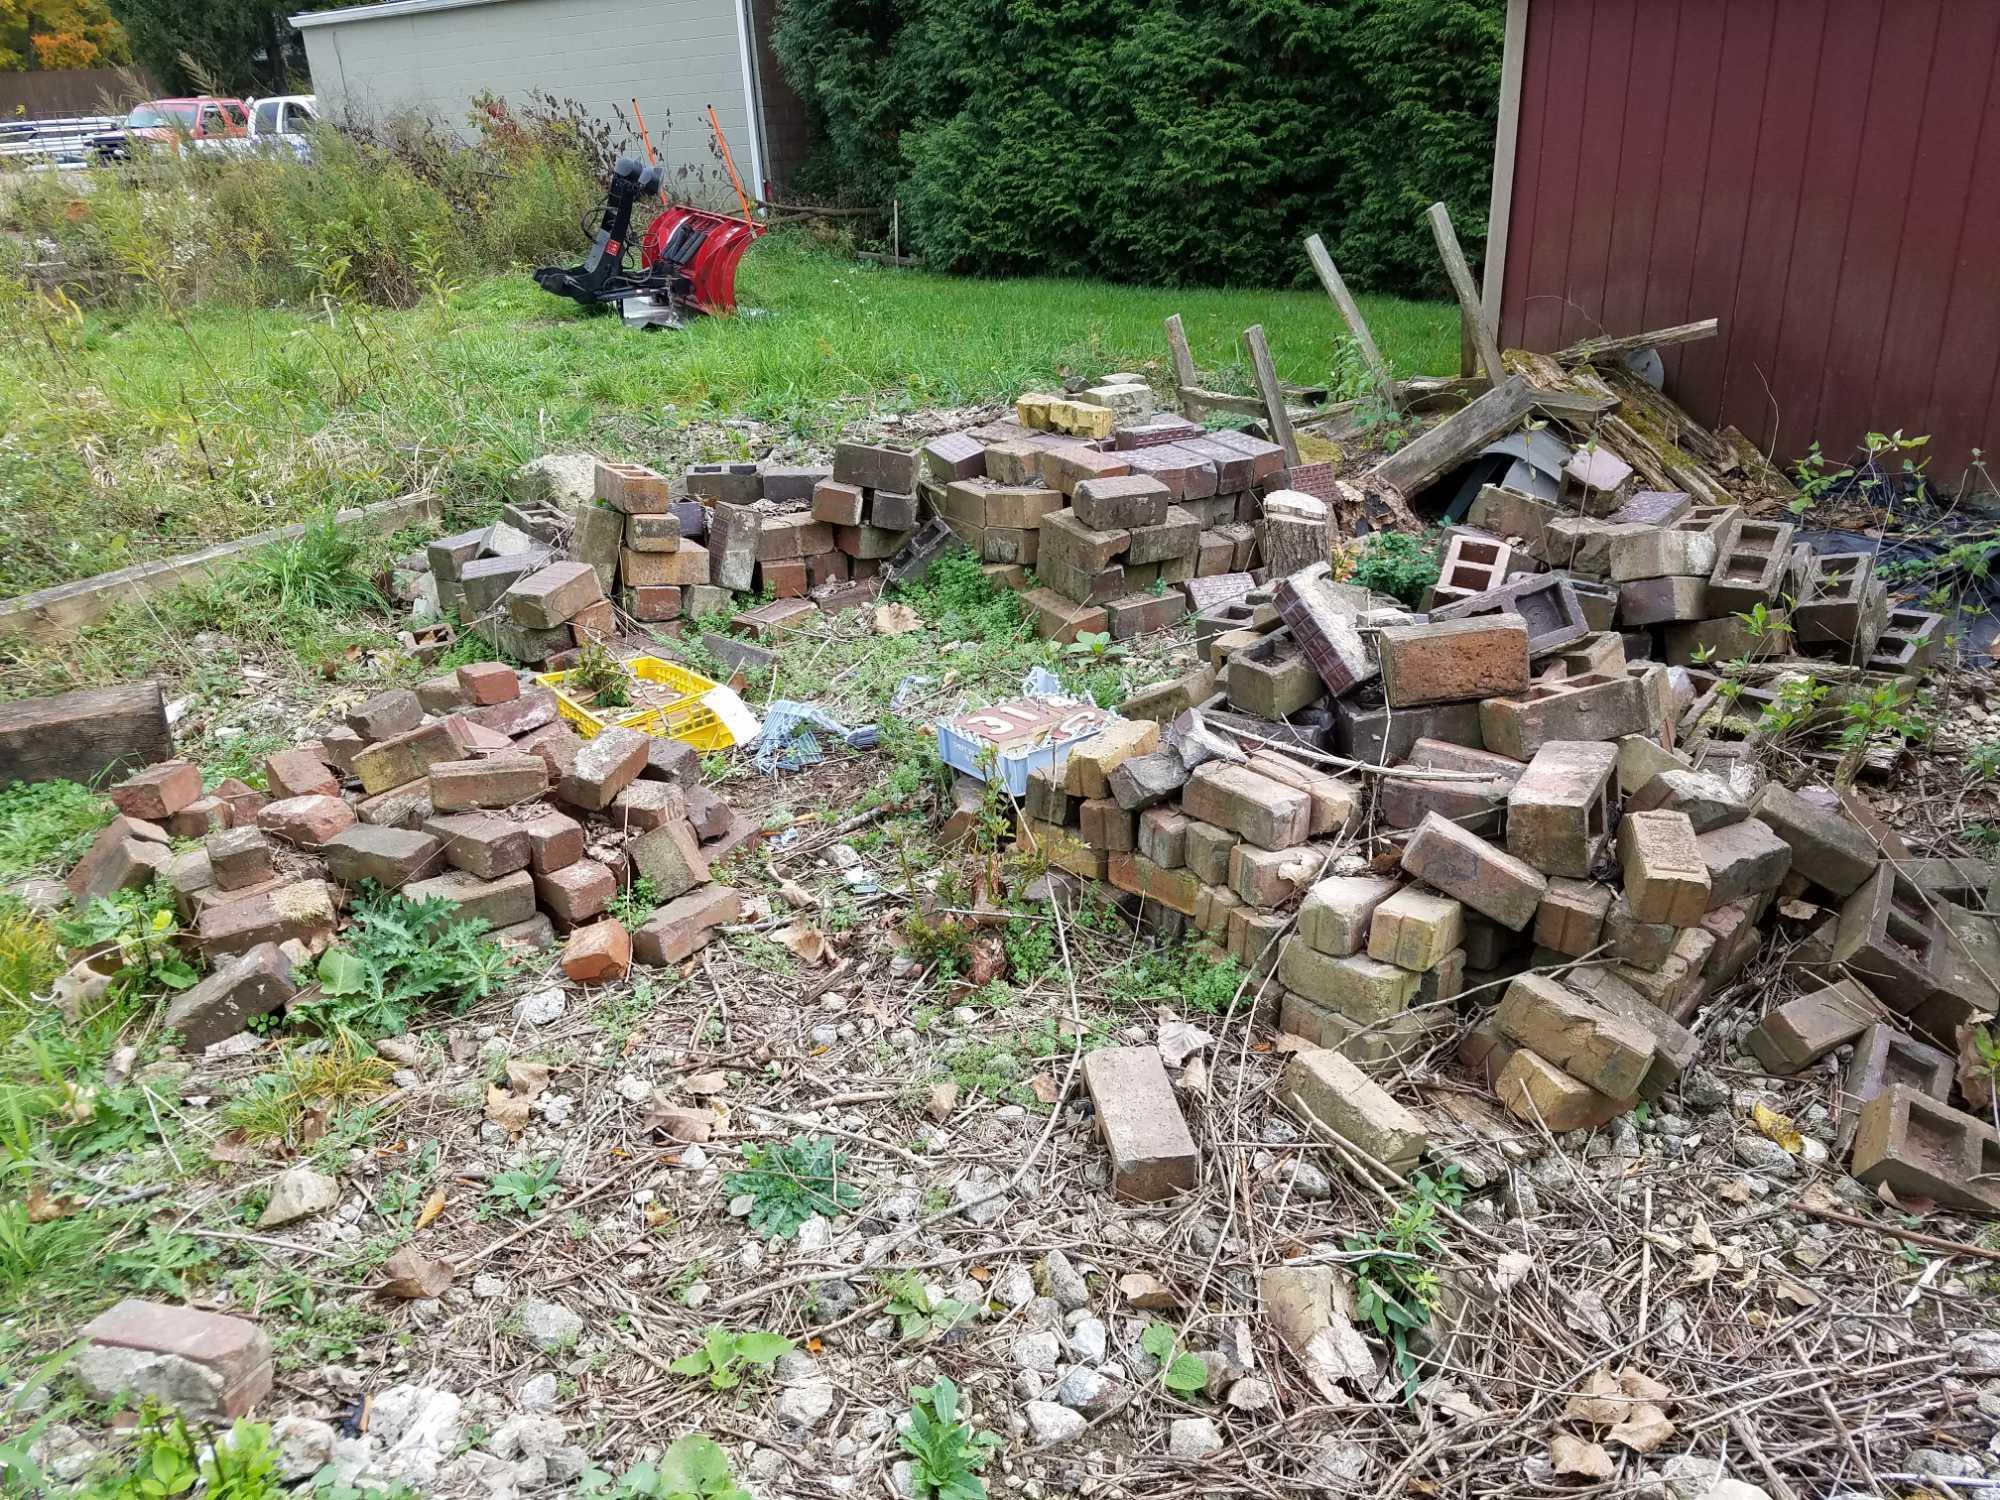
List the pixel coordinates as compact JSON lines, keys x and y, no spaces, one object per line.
{"x":1089,"y":764}
{"x":1361,"y":988}
{"x":500,"y":903}
{"x":1152,"y":1155}
{"x":391,"y":857}
{"x":302,"y":911}
{"x":736,"y":483}
{"x":1336,"y":804}
{"x":1268,"y":813}
{"x":1538,"y":1091}
{"x":1254,"y":937}
{"x":1585,"y":1041}
{"x":1122,"y":502}
{"x":1570,"y":919}
{"x":652,"y":533}
{"x":1416,"y":929}
{"x":206,"y":1366}
{"x":1066,"y":467}
{"x":1335,"y":914}
{"x":1162,"y":836}
{"x":876,"y":466}
{"x":1891,"y":938}
{"x":629,"y":487}
{"x":503,"y":780}
{"x":678,"y":929}
{"x":251,"y":984}
{"x":239,"y":857}
{"x":1598,"y":707}
{"x":1827,"y":848}
{"x":386,"y":715}
{"x":159,"y":791}
{"x":1920,"y":1148}
{"x":1489,"y":880}
{"x":1177,"y":890}
{"x":1545,"y":604}
{"x":605,"y":765}
{"x":670,"y":856}
{"x":554,"y":595}
{"x":1142,"y":781}
{"x":576,"y":892}
{"x":481,"y":843}
{"x":1208,"y":850}
{"x":1661,"y":552}
{"x":1742,"y":859}
{"x":1666,"y":876}
{"x":1271,"y":877}
{"x":1450,"y":660}
{"x":407,"y":757}
{"x":306,"y":821}
{"x":1800,"y":1032}
{"x":1323,"y":1087}
{"x":1370,"y":1046}
{"x":1106,"y":825}
{"x":1143,"y":614}
{"x":1559,"y":811}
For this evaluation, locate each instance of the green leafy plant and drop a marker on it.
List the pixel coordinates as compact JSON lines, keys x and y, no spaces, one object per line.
{"x":397,"y":953}
{"x":1396,"y":1290}
{"x":136,"y":933}
{"x":789,"y":1182}
{"x":1179,"y":1370}
{"x":322,"y":572}
{"x":528,"y":1189}
{"x":1202,"y":983}
{"x":46,"y":825}
{"x":599,"y":677}
{"x":1097,"y":645}
{"x":694,"y":1467}
{"x":724,"y":1357}
{"x":1984,"y":759}
{"x":919,"y":1314}
{"x":1398,"y":564}
{"x":173,"y":1458}
{"x":635,"y":903}
{"x":947,"y":1453}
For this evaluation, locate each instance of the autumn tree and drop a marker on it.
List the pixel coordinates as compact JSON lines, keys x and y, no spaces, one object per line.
{"x":44,"y":35}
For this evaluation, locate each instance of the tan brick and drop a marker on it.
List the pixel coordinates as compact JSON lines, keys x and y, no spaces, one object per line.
{"x":299,"y":773}
{"x":1665,"y":877}
{"x":1361,"y":988}
{"x":1336,"y":912}
{"x":1267,"y":813}
{"x":1416,"y":929}
{"x":1488,"y":880}
{"x":1325,"y":1088}
{"x":1174,"y":889}
{"x":1152,"y":1154}
{"x":1091,"y":762}
{"x":1609,"y":1054}
{"x":1271,"y":877}
{"x":1570,"y":919}
{"x":1449,"y":660}
{"x":404,"y":758}
{"x":1538,"y":1091}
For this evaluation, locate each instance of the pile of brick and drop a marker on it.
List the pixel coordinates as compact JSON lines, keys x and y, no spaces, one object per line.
{"x":469,"y":789}
{"x":1562,"y":835}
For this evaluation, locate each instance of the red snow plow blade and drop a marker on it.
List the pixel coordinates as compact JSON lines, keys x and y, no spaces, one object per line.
{"x":702,"y":247}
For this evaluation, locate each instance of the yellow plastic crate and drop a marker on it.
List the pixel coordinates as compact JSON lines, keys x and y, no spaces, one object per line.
{"x":685,"y":717}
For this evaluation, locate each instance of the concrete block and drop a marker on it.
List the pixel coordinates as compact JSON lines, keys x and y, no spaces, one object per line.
{"x":1891,"y":938}
{"x":1920,"y":1148}
{"x":1800,"y":1032}
{"x":1750,"y":562}
{"x":1546,"y":605}
{"x":1599,"y":707}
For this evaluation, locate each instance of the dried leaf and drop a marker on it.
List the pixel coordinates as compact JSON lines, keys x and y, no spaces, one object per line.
{"x":42,"y":1207}
{"x":527,"y":1079}
{"x":1736,"y":1190}
{"x":677,"y":1122}
{"x":1702,"y":1269}
{"x":1179,"y":1041}
{"x":808,"y":944}
{"x":1459,"y":1404}
{"x":1194,"y":1078}
{"x":1701,"y":1234}
{"x":1795,"y":1292}
{"x":1642,"y":1387}
{"x":1572,"y":1455}
{"x":1601,"y":1402}
{"x":1644,"y":1430}
{"x":433,"y":1206}
{"x":505,"y":1109}
{"x":1045,"y":1088}
{"x":233,"y":1147}
{"x":796,"y":894}
{"x":943,"y":1100}
{"x":1777,"y":1127}
{"x":897,"y":619}
{"x":1795,"y":910}
{"x":414,"y":1274}
{"x":702,"y":1084}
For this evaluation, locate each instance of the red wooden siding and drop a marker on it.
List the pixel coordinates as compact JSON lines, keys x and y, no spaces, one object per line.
{"x":1821,"y":175}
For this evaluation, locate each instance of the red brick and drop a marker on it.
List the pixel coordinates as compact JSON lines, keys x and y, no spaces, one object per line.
{"x":481,"y":843}
{"x":244,"y":800}
{"x":645,"y":805}
{"x":577,"y":892}
{"x":554,"y":840}
{"x":503,"y":780}
{"x":205,"y":1365}
{"x":597,"y":954}
{"x":1449,"y":660}
{"x":251,"y":984}
{"x":488,"y":682}
{"x":653,"y":604}
{"x":301,"y":911}
{"x":391,"y":857}
{"x":159,"y":791}
{"x":201,"y":817}
{"x":837,"y":504}
{"x":670,"y":856}
{"x":782,"y":578}
{"x":306,"y":821}
{"x":553,"y":596}
{"x":675,"y":931}
{"x":299,"y":773}
{"x":500,"y":903}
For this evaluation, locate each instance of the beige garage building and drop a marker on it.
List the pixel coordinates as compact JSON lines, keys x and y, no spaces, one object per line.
{"x":676,"y":57}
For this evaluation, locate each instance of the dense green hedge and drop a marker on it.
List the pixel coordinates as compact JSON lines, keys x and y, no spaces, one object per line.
{"x":1197,"y":141}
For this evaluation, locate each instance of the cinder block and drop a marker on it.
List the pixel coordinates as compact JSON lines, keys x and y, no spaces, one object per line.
{"x":1839,"y":604}
{"x":1891,"y":939}
{"x":1666,"y":876}
{"x":1271,"y":679}
{"x":1367,"y":730}
{"x":1750,"y":562}
{"x":1473,"y":564}
{"x":1546,"y":605}
{"x":1920,"y":1148}
{"x":1461,"y":864}
{"x":1577,"y":708}
{"x":1661,"y":552}
{"x":1664,"y":601}
{"x":1152,"y":1154}
{"x":1559,"y":811}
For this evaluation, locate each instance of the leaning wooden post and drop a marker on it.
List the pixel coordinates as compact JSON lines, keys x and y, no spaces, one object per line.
{"x":1469,"y":306}
{"x":1356,"y":324}
{"x":1183,"y":357}
{"x":1273,"y":393}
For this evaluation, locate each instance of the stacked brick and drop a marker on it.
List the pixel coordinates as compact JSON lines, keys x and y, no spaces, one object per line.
{"x":469,"y":790}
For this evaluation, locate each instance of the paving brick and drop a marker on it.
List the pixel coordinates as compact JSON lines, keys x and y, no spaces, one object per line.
{"x":1176,"y":890}
{"x":1559,"y":811}
{"x":605,"y":765}
{"x":670,"y":856}
{"x":1335,"y":914}
{"x":1666,"y":874}
{"x":1323,"y":1087}
{"x":302,"y":911}
{"x":576,"y":892}
{"x":391,"y":857}
{"x":407,"y":757}
{"x":251,"y":984}
{"x":1363,"y":989}
{"x":1920,"y":1148}
{"x":1743,"y":859}
{"x":1152,"y":1154}
{"x":1599,"y":707}
{"x":159,"y":791}
{"x":307,"y":822}
{"x":1451,"y":660}
{"x":500,"y":780}
{"x":1604,"y":1051}
{"x":677,"y":930}
{"x":1463,"y":865}
{"x":1107,"y":826}
{"x":1265,"y":812}
{"x":500,"y":903}
{"x":1536,"y":1090}
{"x":1416,"y":929}
{"x":1800,"y":1032}
{"x":481,"y":843}
{"x":205,"y":1366}
{"x":1546,"y":606}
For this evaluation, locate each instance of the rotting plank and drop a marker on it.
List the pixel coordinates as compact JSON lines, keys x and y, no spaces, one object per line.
{"x":92,"y":736}
{"x":1586,"y":351}
{"x":1277,"y":414}
{"x":1356,"y":324}
{"x":1183,"y":357}
{"x":1470,"y":309}
{"x":55,"y":613}
{"x":1466,"y":431}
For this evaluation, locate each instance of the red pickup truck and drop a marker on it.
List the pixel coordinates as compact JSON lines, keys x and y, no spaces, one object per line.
{"x":202,"y":123}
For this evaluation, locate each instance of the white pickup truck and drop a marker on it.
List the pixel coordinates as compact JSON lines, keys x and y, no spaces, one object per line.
{"x":282,"y":120}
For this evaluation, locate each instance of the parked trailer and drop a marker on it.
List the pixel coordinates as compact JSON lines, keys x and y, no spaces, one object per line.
{"x":48,"y":145}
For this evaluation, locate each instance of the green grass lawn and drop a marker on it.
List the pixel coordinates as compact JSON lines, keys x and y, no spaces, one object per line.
{"x":136,"y":435}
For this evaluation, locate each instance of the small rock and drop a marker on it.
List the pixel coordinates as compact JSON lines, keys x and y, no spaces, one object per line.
{"x":1251,"y":1394}
{"x":633,"y":1089}
{"x":1066,"y":1283}
{"x":538,"y":1393}
{"x":486,"y":1284}
{"x":549,"y":1326}
{"x":1014,"y":1287}
{"x":966,"y":1193}
{"x":1039,"y":1352}
{"x":1191,"y":1438}
{"x":1766,"y":1156}
{"x":806,"y":1404}
{"x":298,"y":1192}
{"x":1088,"y":1339}
{"x":304,"y":1446}
{"x":1049,"y":1422}
{"x":1081,"y":1387}
{"x":542,"y":1007}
